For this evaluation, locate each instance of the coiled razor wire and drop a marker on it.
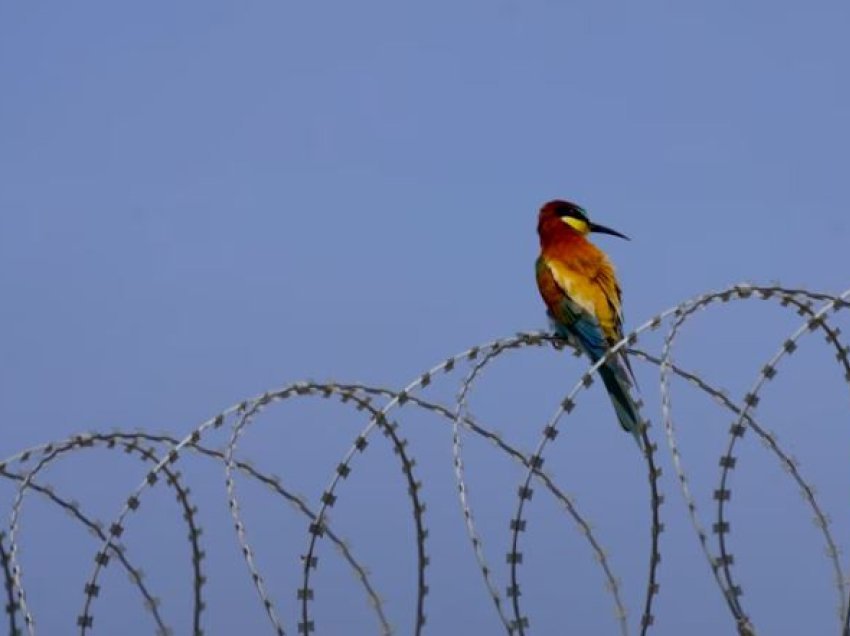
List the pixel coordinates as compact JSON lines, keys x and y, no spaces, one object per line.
{"x":163,"y":452}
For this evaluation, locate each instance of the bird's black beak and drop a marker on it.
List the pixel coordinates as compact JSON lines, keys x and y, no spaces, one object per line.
{"x":607,"y":230}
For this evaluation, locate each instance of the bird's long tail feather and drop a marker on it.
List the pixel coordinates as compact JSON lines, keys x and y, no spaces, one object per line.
{"x":618,"y":390}
{"x":616,"y":373}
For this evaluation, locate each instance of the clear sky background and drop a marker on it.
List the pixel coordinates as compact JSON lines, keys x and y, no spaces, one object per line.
{"x":200,"y":201}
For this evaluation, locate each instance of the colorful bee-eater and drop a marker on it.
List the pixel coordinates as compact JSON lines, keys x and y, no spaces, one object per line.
{"x":583,"y":298}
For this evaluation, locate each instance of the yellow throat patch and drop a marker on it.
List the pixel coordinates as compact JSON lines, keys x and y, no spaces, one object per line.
{"x":579,"y":225}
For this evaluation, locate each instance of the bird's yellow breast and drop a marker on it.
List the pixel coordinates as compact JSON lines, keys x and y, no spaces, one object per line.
{"x":588,"y":278}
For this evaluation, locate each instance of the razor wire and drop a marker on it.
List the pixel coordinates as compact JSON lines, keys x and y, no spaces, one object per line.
{"x":384,"y":409}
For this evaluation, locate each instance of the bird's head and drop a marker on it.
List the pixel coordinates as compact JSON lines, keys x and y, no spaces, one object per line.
{"x":574,"y":216}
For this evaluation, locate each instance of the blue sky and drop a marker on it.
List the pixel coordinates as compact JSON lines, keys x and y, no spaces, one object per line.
{"x":207,"y":200}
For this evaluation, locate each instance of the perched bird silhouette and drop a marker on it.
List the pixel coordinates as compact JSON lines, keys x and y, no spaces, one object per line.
{"x":583,"y":298}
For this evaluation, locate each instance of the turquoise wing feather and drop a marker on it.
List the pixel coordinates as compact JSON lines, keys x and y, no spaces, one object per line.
{"x":584,"y":329}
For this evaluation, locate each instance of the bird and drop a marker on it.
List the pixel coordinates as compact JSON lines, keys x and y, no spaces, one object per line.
{"x":583,"y":299}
